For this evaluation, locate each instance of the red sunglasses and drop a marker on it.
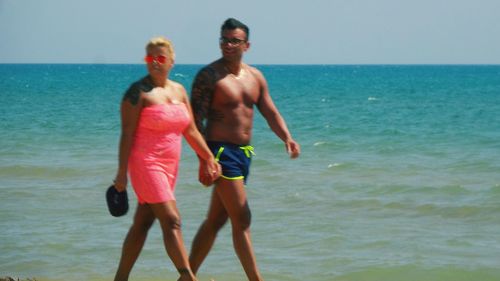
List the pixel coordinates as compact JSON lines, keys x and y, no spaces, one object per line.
{"x":158,"y":59}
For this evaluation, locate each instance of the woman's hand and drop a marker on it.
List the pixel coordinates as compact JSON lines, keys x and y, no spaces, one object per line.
{"x":120,"y":182}
{"x":209,"y":171}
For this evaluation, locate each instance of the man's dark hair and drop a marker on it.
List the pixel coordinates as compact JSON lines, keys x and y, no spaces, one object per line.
{"x":232,"y":23}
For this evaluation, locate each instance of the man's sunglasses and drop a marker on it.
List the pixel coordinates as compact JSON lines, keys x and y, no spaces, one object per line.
{"x":232,"y":41}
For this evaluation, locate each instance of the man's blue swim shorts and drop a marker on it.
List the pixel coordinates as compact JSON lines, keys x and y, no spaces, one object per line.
{"x":234,"y":159}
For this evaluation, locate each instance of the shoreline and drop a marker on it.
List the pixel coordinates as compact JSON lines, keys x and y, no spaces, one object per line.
{"x":9,"y":278}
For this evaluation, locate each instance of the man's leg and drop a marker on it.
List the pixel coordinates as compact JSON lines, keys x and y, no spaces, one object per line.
{"x":134,"y":241}
{"x":233,"y":196}
{"x":205,"y":237}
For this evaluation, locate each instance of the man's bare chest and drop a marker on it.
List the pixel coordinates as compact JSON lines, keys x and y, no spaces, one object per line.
{"x":230,"y":90}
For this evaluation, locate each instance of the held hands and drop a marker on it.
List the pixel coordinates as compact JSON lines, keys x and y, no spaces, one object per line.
{"x":209,"y":171}
{"x":292,"y":148}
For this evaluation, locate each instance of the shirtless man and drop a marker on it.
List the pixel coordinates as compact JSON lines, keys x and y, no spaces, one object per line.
{"x":223,"y":97}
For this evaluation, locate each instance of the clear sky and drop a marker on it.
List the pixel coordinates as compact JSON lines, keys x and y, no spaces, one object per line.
{"x":282,"y":31}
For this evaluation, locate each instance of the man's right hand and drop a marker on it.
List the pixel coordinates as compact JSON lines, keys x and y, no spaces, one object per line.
{"x":292,"y":148}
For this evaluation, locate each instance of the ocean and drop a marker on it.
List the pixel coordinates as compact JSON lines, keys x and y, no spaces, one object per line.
{"x":399,"y":177}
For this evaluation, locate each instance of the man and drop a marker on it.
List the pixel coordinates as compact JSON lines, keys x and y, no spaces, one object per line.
{"x":223,"y":97}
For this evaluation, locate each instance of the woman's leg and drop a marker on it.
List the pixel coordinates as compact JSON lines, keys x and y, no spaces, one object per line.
{"x":170,"y":222}
{"x":134,"y":241}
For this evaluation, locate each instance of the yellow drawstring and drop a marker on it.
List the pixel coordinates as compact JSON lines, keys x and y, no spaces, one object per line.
{"x":248,"y":149}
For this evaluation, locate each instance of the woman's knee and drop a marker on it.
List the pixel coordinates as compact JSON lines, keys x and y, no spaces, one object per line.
{"x":171,"y":222}
{"x":167,"y":214}
{"x":142,"y":225}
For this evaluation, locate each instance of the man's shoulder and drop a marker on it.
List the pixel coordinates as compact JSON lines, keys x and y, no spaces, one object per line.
{"x":253,"y":69}
{"x":255,"y":72}
{"x":214,"y":67}
{"x":208,"y":69}
{"x":210,"y":72}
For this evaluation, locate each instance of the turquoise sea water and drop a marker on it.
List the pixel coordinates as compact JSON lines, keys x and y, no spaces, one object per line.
{"x":399,"y":177}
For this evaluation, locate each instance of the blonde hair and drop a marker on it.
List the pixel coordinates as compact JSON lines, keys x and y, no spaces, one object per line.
{"x":161,"y":41}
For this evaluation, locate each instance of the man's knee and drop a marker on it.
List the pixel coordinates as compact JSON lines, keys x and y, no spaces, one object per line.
{"x":243,"y":219}
{"x":216,"y":223}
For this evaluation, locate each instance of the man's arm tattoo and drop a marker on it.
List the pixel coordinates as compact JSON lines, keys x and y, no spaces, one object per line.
{"x":201,"y":97}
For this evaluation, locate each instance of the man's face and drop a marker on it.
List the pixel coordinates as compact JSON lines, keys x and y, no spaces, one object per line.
{"x":233,"y":43}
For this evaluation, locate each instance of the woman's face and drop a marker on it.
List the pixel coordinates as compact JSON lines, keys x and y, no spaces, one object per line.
{"x":158,"y":60}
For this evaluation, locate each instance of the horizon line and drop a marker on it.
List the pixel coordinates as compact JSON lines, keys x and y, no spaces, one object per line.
{"x":269,"y":64}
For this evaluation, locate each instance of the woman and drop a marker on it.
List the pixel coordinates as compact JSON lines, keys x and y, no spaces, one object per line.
{"x":155,"y":113}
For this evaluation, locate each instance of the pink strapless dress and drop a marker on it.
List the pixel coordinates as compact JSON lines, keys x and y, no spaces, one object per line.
{"x":154,"y":159}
